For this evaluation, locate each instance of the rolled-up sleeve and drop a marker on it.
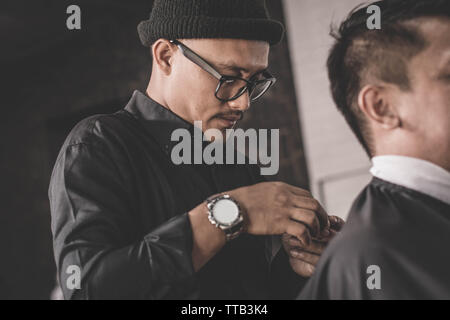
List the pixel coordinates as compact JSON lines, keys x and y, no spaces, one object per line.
{"x":94,"y":231}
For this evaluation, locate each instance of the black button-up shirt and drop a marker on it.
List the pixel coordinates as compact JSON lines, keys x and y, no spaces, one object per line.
{"x":119,"y":213}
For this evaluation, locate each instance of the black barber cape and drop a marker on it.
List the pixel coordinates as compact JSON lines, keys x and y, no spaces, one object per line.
{"x":119,"y":212}
{"x":395,"y":245}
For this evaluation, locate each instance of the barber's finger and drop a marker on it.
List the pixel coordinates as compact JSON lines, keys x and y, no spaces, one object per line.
{"x":305,"y":256}
{"x":312,"y":204}
{"x":336,"y":223}
{"x":307,"y":217}
{"x":315,"y":246}
{"x":299,"y":191}
{"x":331,"y":234}
{"x":285,"y":237}
{"x":299,"y":231}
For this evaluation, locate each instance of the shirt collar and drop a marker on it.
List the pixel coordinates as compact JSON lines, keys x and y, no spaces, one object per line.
{"x":415,"y":174}
{"x":159,"y":121}
{"x":145,"y":108}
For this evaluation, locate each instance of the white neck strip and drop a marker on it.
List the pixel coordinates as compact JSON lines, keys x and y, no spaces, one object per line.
{"x":415,"y":174}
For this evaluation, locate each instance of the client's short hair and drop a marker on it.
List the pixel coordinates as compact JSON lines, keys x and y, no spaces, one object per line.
{"x":383,"y":54}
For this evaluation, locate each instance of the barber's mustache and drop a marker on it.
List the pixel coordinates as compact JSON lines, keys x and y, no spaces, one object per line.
{"x":236,"y":116}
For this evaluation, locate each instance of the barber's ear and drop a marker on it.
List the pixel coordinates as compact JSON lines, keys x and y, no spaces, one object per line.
{"x":378,"y":104}
{"x":163,"y":52}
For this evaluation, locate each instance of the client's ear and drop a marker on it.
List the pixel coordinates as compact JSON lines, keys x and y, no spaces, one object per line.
{"x":377,"y":102}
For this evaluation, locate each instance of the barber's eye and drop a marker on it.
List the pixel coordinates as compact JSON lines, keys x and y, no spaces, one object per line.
{"x":258,"y":77}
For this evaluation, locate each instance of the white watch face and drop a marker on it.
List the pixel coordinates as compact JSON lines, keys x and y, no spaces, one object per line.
{"x":225,"y":211}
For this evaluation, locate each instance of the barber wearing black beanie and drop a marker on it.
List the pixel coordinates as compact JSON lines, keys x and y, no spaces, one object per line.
{"x":137,"y":224}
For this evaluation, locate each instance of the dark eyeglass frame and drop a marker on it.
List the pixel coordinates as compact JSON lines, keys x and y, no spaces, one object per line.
{"x":250,"y":84}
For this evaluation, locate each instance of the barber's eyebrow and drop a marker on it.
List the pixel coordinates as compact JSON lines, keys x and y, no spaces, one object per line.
{"x":231,"y":67}
{"x":238,"y":69}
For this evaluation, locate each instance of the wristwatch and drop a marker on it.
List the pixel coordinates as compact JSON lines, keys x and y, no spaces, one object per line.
{"x":225,"y":213}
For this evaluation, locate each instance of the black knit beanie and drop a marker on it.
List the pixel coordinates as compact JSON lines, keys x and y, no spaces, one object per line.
{"x":197,"y":19}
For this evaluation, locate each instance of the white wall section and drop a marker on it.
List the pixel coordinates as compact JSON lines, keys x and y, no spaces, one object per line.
{"x":337,"y":165}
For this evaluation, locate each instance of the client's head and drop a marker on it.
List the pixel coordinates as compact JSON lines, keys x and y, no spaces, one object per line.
{"x":393,"y":84}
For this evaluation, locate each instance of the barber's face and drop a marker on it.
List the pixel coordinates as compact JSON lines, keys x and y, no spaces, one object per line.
{"x":194,"y":88}
{"x":427,"y":114}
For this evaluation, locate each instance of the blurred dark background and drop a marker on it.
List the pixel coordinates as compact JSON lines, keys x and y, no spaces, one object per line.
{"x":51,"y":78}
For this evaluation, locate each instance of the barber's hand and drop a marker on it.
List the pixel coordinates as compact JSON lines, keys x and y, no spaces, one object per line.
{"x":303,"y":259}
{"x":275,"y":208}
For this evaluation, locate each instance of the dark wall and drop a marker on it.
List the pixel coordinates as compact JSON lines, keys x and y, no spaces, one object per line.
{"x":51,"y":78}
{"x":278,"y":110}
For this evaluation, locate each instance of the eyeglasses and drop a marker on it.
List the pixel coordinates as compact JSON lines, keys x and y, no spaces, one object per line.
{"x":230,"y":87}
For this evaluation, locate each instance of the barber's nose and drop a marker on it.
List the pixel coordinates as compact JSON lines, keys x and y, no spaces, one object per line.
{"x":242,"y":103}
